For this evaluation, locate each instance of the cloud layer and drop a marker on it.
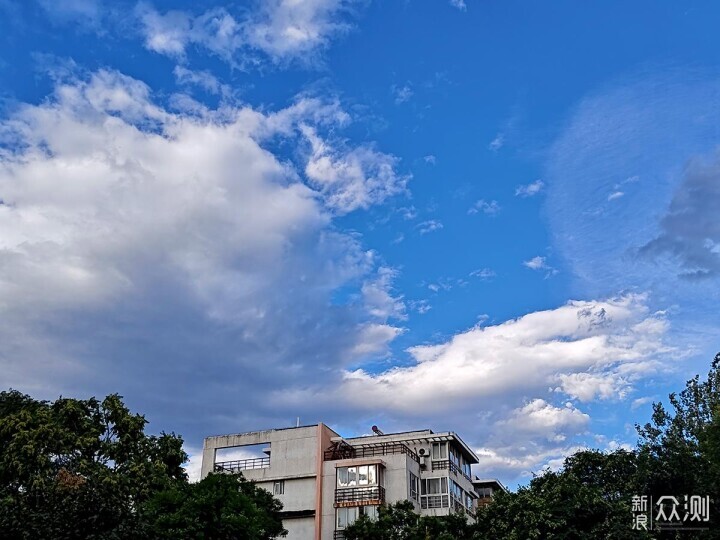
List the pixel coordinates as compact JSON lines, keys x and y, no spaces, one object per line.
{"x":171,"y":257}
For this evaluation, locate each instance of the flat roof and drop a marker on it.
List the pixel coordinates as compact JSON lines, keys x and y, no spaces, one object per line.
{"x":268,"y":430}
{"x":425,"y":435}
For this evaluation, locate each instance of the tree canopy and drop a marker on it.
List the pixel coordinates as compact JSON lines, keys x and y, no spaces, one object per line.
{"x":86,"y":469}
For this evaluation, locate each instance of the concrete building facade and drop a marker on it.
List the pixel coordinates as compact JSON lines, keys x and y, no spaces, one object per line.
{"x":326,"y":482}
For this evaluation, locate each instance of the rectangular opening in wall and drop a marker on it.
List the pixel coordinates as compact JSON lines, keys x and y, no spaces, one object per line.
{"x":279,"y":487}
{"x":242,"y":458}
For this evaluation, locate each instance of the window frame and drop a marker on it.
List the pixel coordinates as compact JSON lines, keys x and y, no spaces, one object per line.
{"x":279,"y":487}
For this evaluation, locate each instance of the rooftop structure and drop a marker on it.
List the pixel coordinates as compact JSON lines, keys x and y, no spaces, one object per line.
{"x":326,"y":481}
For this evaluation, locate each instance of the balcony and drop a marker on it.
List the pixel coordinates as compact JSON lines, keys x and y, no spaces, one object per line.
{"x":359,"y":496}
{"x":339,"y":535}
{"x":343,"y":450}
{"x":447,"y":464}
{"x":242,"y":465}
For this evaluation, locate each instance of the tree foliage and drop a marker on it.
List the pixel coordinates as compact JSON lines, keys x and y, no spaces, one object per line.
{"x":86,"y":469}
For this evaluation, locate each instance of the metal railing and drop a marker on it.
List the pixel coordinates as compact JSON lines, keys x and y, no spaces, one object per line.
{"x":447,"y":464}
{"x":339,"y":535}
{"x":434,"y":501}
{"x":242,"y":465}
{"x":369,"y":450}
{"x":369,"y":495}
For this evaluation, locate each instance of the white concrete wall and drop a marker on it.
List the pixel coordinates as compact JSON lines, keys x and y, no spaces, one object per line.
{"x":300,"y":528}
{"x":299,"y":493}
{"x":293,"y":452}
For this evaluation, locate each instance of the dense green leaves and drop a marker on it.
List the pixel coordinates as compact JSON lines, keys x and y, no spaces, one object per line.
{"x":220,"y":507}
{"x":86,"y":469}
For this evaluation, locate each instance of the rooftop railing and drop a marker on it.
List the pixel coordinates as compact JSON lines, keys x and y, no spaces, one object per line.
{"x":346,"y":451}
{"x":242,"y":465}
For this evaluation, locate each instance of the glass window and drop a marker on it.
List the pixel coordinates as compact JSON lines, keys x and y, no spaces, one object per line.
{"x":342,"y":476}
{"x":279,"y":487}
{"x":362,"y":475}
{"x":414,"y":480}
{"x":434,"y":486}
{"x":439,"y":451}
{"x":346,"y":516}
{"x":372,"y":475}
{"x":371,"y":512}
{"x":352,"y":476}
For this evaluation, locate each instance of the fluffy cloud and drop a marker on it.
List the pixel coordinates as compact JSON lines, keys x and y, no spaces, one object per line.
{"x":521,"y":355}
{"x":530,"y":190}
{"x":429,"y":226}
{"x":498,"y":384}
{"x":280,"y":29}
{"x":539,"y":417}
{"x":486,"y":207}
{"x":351,"y":178}
{"x":167,"y":256}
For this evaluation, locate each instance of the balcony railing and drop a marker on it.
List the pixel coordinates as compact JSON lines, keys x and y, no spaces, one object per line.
{"x":359,"y":495}
{"x":346,"y":451}
{"x":447,"y":464}
{"x":434,"y":501}
{"x":242,"y":465}
{"x":339,"y":535}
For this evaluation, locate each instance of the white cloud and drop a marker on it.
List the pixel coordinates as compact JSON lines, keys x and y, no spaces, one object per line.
{"x":142,"y":241}
{"x":378,"y":296}
{"x":536,"y":263}
{"x":204,"y":79}
{"x":351,"y":178}
{"x":591,"y":386}
{"x":527,"y":354}
{"x":530,"y":190}
{"x":281,"y":29}
{"x":459,"y":4}
{"x":489,"y":208}
{"x":497,"y":143}
{"x":430,"y":159}
{"x":541,"y":418}
{"x":287,"y":28}
{"x":429,"y":226}
{"x":615,"y":195}
{"x":402,"y":93}
{"x":483,"y":273}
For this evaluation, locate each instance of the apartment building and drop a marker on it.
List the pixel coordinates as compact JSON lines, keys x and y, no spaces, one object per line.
{"x":326,"y":481}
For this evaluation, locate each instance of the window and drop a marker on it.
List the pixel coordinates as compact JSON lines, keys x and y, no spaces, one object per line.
{"x":414,"y":486}
{"x":439,"y":451}
{"x":484,"y":491}
{"x":434,"y":486}
{"x":369,"y":511}
{"x":363,"y":475}
{"x":434,"y":493}
{"x":279,"y":487}
{"x":346,"y":516}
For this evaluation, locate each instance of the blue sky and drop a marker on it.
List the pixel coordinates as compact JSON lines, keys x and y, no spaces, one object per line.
{"x":497,"y":218}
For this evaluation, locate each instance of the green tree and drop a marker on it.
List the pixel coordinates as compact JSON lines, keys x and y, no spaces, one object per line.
{"x":400,"y":521}
{"x":220,"y":507}
{"x":79,"y":468}
{"x":85,"y":469}
{"x":590,"y":497}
